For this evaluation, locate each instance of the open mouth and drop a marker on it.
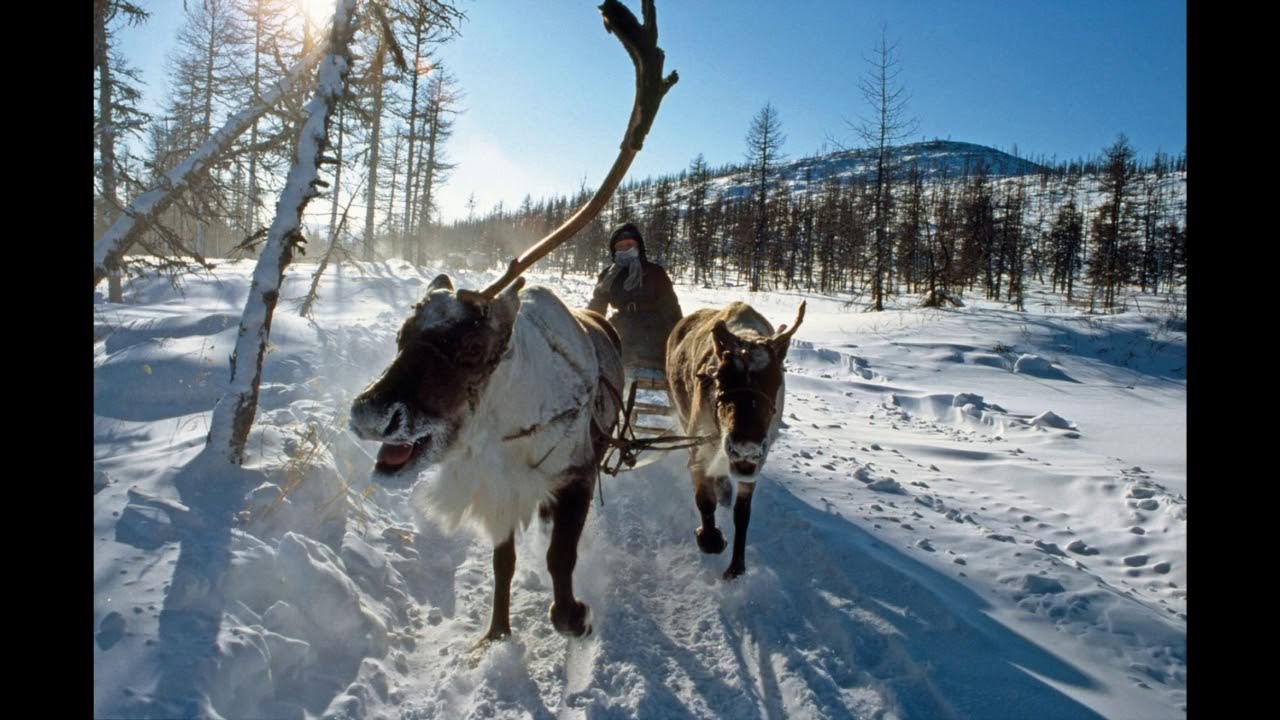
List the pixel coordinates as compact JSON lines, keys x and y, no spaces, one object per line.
{"x":392,"y":457}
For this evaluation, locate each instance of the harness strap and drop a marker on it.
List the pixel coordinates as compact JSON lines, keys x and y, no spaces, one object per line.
{"x":722,"y":395}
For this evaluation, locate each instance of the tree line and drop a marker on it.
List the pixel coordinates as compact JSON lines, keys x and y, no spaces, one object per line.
{"x":1102,"y":225}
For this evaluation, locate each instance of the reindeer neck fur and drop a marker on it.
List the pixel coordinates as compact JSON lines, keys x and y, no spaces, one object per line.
{"x":532,"y":422}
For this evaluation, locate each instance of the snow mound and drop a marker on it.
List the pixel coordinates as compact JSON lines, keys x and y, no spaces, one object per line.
{"x":1049,"y":419}
{"x":825,"y":362}
{"x":964,"y":409}
{"x":1040,"y":585}
{"x":1036,"y":366}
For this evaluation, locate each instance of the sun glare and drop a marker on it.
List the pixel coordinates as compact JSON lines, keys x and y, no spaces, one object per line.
{"x":317,"y":12}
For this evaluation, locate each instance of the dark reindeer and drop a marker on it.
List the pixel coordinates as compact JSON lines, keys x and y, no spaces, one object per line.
{"x":511,"y":393}
{"x":514,"y":398}
{"x":725,"y":378}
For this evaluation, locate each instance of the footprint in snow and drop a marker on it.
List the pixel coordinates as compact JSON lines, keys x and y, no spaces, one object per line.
{"x":1050,"y":548}
{"x":110,"y":630}
{"x":1082,"y":548}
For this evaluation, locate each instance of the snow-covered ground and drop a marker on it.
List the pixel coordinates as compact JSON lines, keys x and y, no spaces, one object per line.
{"x":971,"y":512}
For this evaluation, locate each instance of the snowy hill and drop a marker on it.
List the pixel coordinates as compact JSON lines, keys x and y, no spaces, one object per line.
{"x":971,"y":512}
{"x":937,"y":159}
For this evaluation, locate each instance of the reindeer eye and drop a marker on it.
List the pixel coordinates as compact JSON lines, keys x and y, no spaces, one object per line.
{"x":470,"y":348}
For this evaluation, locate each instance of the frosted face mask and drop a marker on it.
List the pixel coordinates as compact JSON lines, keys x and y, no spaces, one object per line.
{"x":630,"y":260}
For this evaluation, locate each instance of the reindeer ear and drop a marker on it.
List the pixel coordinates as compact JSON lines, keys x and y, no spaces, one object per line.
{"x":441,"y":281}
{"x":723,"y":338}
{"x":782,"y":339}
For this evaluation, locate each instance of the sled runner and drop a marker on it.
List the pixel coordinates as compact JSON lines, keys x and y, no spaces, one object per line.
{"x":646,"y":424}
{"x":650,"y":414}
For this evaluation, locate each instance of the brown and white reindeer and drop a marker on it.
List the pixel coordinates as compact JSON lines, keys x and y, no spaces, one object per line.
{"x":511,"y":393}
{"x":725,"y":378}
{"x":514,"y":398}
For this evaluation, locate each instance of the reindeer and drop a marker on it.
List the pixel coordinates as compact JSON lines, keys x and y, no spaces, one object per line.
{"x":725,"y":379}
{"x":514,"y":398}
{"x":510,"y":392}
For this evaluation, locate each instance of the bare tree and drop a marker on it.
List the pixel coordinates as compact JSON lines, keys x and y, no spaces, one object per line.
{"x":424,"y":28}
{"x":764,"y":153}
{"x":1114,"y":225}
{"x":697,"y":227}
{"x":887,"y":124}
{"x":442,"y":99}
{"x":1065,"y":240}
{"x":268,"y":23}
{"x":206,"y":82}
{"x":117,"y":97}
{"x":377,"y":81}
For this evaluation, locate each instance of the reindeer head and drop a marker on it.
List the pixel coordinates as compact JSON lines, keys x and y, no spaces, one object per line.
{"x":747,"y":375}
{"x":446,"y":352}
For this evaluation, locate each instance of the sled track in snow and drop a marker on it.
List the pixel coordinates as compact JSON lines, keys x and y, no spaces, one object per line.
{"x":827,"y":622}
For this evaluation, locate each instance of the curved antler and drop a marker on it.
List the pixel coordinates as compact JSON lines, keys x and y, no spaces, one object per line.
{"x":641,"y":43}
{"x":784,"y":335}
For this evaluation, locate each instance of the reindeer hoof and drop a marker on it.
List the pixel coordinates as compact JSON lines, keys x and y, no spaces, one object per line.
{"x":494,"y":635}
{"x":710,"y":540}
{"x":574,"y":621}
{"x":734,"y":571}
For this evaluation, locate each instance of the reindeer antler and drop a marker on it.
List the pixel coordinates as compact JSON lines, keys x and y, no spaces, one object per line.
{"x":641,"y":43}
{"x":784,"y":335}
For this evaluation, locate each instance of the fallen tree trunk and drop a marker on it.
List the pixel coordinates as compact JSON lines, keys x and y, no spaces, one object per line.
{"x":234,"y":413}
{"x":109,"y":250}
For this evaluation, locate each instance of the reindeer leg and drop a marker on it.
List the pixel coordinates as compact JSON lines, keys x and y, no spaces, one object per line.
{"x":710,"y":539}
{"x":504,"y":567}
{"x":741,"y":518}
{"x":568,"y":615}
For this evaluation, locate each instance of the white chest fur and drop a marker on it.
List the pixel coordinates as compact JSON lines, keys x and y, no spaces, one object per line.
{"x":532,"y":422}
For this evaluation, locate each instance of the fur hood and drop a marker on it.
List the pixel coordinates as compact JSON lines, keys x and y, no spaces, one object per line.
{"x":627,"y":230}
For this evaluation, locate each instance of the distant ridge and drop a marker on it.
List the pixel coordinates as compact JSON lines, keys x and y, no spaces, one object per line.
{"x":936,"y":158}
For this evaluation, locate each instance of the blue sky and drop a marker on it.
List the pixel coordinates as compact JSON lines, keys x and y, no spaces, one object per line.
{"x":548,"y":92}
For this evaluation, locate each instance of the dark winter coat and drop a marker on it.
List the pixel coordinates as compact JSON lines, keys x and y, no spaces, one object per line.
{"x":643,"y":317}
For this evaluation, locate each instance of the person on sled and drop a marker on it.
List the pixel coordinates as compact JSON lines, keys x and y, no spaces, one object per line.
{"x":644,"y":302}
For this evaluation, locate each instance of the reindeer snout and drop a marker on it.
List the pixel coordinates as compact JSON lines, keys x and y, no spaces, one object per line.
{"x":745,"y":457}
{"x":372,"y":421}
